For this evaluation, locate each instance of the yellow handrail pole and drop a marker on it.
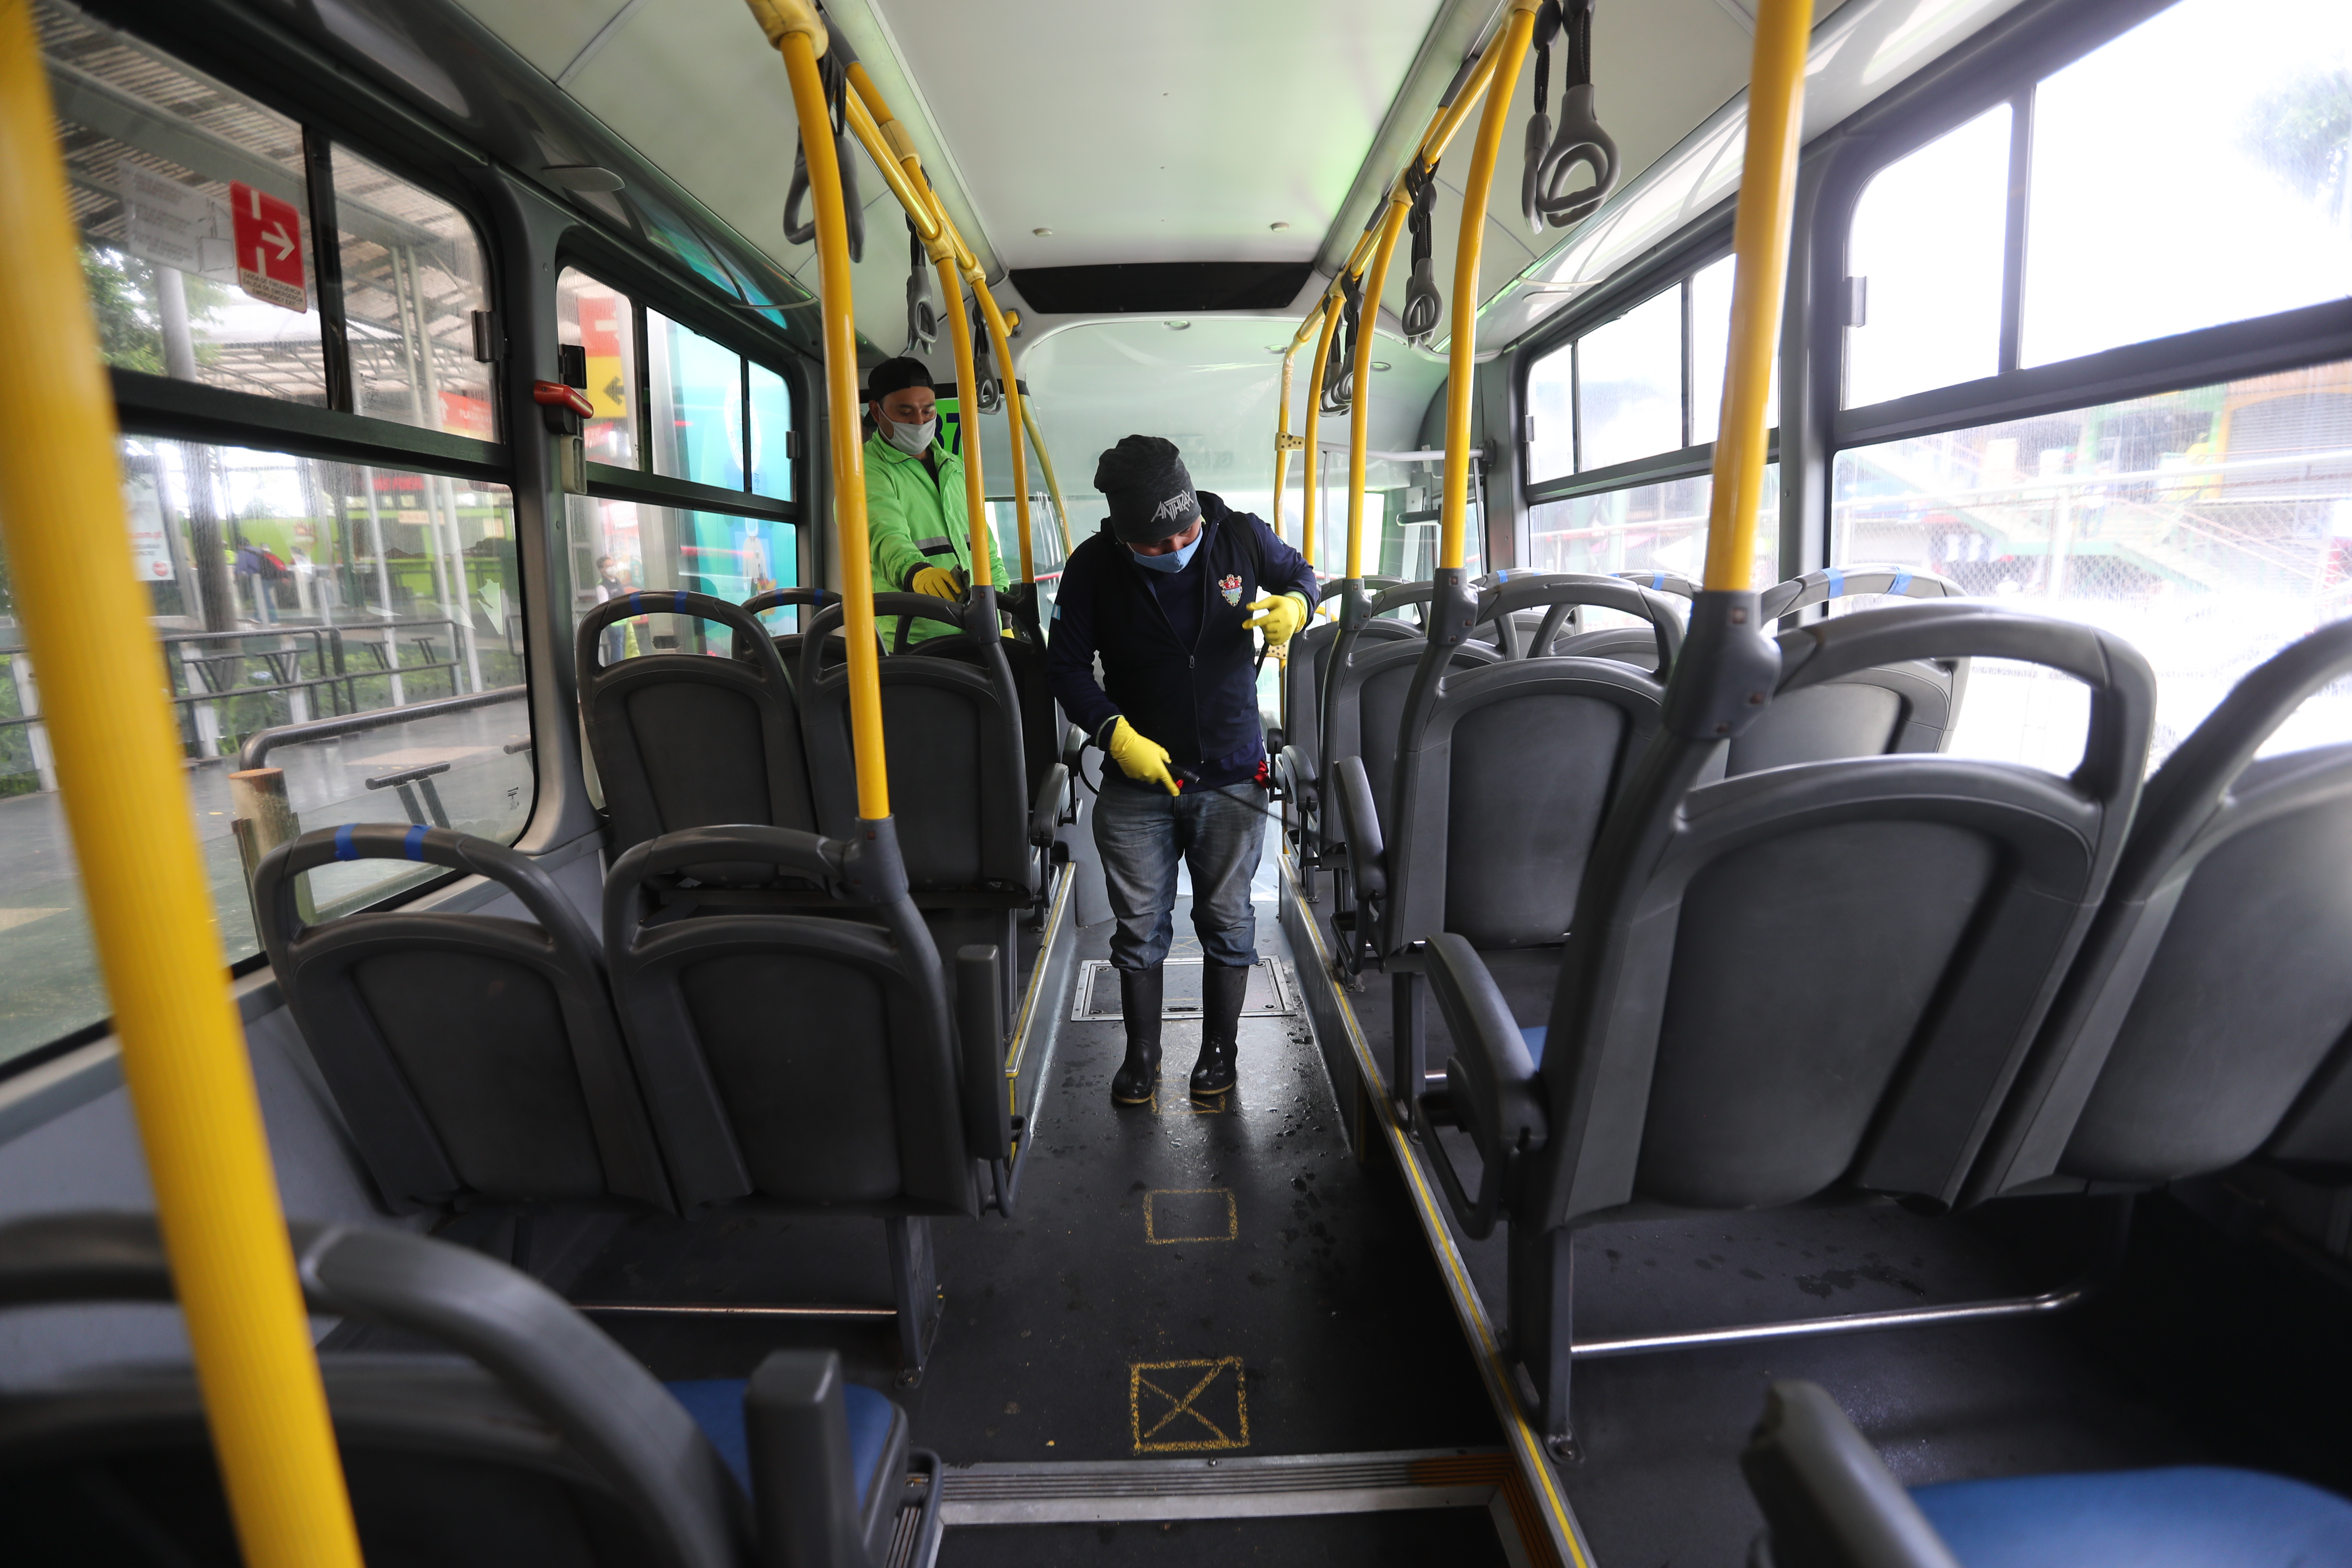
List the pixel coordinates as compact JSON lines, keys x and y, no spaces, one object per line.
{"x":1053,"y":485}
{"x":1307,"y":509}
{"x":1449,"y":119}
{"x":1462,"y":352}
{"x":1359,"y":406}
{"x":151,"y":915}
{"x":1759,"y":239}
{"x":975,"y":489}
{"x":1285,"y":443}
{"x":871,"y":136}
{"x":799,"y":34}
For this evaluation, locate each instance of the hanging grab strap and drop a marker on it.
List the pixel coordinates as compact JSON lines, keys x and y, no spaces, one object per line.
{"x":1424,"y":307}
{"x":834,"y":70}
{"x":988,"y":392}
{"x":922,"y":304}
{"x":1339,"y":369}
{"x":1579,"y":141}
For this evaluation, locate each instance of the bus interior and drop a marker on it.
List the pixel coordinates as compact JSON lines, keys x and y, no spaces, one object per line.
{"x":1799,"y":1013}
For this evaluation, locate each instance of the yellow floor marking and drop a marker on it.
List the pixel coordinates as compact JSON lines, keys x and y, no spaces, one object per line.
{"x":1183,"y":1420}
{"x":1152,"y":1224}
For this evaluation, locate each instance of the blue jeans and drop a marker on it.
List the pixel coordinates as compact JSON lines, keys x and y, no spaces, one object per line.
{"x":1141,"y":832}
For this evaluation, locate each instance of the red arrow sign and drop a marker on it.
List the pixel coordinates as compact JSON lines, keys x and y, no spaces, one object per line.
{"x":268,"y":248}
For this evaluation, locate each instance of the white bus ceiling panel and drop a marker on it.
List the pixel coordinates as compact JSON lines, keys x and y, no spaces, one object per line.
{"x":1157,"y":132}
{"x":1210,"y":388}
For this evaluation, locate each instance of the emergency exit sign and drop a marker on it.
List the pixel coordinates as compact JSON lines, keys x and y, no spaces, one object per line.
{"x":268,"y":248}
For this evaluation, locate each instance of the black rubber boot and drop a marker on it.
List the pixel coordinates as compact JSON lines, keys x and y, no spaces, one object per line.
{"x":1139,"y":1003}
{"x":1222,"y":990}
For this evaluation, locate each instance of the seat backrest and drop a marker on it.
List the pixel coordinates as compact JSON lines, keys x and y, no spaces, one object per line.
{"x":1910,"y":706}
{"x":1366,"y":706}
{"x":1673,"y":583}
{"x":801,"y":1058}
{"x":471,"y":1056}
{"x":690,"y":740}
{"x":1041,"y":724}
{"x":567,"y":1453}
{"x":1817,"y":587}
{"x":1827,"y":974}
{"x":953,"y":733}
{"x":1302,"y":680}
{"x":2209,"y":1017}
{"x":788,"y":644}
{"x":1504,"y":773}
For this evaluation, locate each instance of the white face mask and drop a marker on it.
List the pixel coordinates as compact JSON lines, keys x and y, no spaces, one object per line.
{"x":912,"y":439}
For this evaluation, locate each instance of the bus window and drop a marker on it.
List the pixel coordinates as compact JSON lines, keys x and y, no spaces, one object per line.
{"x":157,"y":153}
{"x":2246,"y":210}
{"x":1551,"y":416}
{"x":1628,"y":384}
{"x":1925,"y":252}
{"x":599,"y":320}
{"x":413,"y":279}
{"x":1710,"y":289}
{"x":283,"y":590}
{"x":695,"y":390}
{"x":2210,"y":527}
{"x":771,"y":432}
{"x":1646,"y":527}
{"x":618,"y":545}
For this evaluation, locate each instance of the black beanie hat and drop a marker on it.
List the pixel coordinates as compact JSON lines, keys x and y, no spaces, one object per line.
{"x":895,"y":375}
{"x":1151,"y":494}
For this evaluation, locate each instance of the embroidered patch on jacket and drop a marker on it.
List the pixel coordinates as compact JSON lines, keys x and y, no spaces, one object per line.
{"x":1232,"y":590}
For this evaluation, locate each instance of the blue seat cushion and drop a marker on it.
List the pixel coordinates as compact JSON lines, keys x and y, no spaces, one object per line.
{"x":2189,"y":1517}
{"x":717,"y":1405}
{"x":1533,"y":1034}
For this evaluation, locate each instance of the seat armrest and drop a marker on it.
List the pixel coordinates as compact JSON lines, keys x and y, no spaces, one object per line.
{"x":980,"y":1030}
{"x":1046,"y":811}
{"x":1359,"y":827}
{"x":1829,"y":1500}
{"x":1301,"y":770}
{"x":804,"y":1481}
{"x":1492,"y":1087}
{"x":1074,"y":741}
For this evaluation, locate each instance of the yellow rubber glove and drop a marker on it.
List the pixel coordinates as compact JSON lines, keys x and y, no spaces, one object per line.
{"x":1145,"y":762}
{"x":938,"y":584}
{"x":1279,"y":615}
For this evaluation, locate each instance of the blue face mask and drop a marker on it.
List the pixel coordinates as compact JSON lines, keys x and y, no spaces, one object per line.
{"x":1175,"y":560}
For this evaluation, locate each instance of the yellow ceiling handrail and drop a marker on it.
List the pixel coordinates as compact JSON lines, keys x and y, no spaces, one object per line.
{"x":151,"y":915}
{"x":975,"y":488}
{"x":1759,"y":239}
{"x":1462,"y":368}
{"x":1359,"y":401}
{"x":1053,"y":485}
{"x":1285,"y":443}
{"x":800,"y":36}
{"x":1311,"y":463}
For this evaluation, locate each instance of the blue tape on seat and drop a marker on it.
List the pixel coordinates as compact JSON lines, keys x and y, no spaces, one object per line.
{"x":1901,"y":583}
{"x":344,"y":849}
{"x":1658,"y":582}
{"x":1837,"y":581}
{"x":1533,"y":1034}
{"x":636,"y":604}
{"x":414,"y":843}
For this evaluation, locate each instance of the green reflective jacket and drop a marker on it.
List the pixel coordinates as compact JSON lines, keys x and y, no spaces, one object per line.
{"x":912,"y":523}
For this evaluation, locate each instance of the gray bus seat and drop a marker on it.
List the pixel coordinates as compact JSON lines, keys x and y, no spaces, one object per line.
{"x":788,"y":644}
{"x":1817,"y":587}
{"x":806,"y":1062}
{"x":1673,"y":583}
{"x":2209,"y":1019}
{"x":1830,"y":1501}
{"x":682,"y":740}
{"x":978,"y":843}
{"x":1501,"y":777}
{"x":1707,"y":1047}
{"x":1298,"y":759}
{"x":538,"y":1440}
{"x":472,"y":1057}
{"x":1042,"y":724}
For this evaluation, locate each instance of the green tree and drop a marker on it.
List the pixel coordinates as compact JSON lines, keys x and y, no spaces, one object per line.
{"x":121,"y":299}
{"x":2303,"y":132}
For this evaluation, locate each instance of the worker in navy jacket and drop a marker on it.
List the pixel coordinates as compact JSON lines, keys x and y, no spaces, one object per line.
{"x":1166,"y":595}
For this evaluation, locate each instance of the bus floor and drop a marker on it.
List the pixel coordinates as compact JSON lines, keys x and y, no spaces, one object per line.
{"x":1177,"y":1284}
{"x":2208,"y":1349}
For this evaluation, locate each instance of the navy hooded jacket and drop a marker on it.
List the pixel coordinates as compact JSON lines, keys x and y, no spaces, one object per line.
{"x":1198,"y":701}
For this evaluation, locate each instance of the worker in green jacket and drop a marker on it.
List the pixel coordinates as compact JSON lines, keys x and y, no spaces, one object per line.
{"x":917,"y":529}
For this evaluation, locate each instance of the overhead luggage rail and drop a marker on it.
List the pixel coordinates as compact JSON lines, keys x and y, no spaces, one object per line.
{"x":2204,"y":1023}
{"x":472,"y":1057}
{"x":118,"y":756}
